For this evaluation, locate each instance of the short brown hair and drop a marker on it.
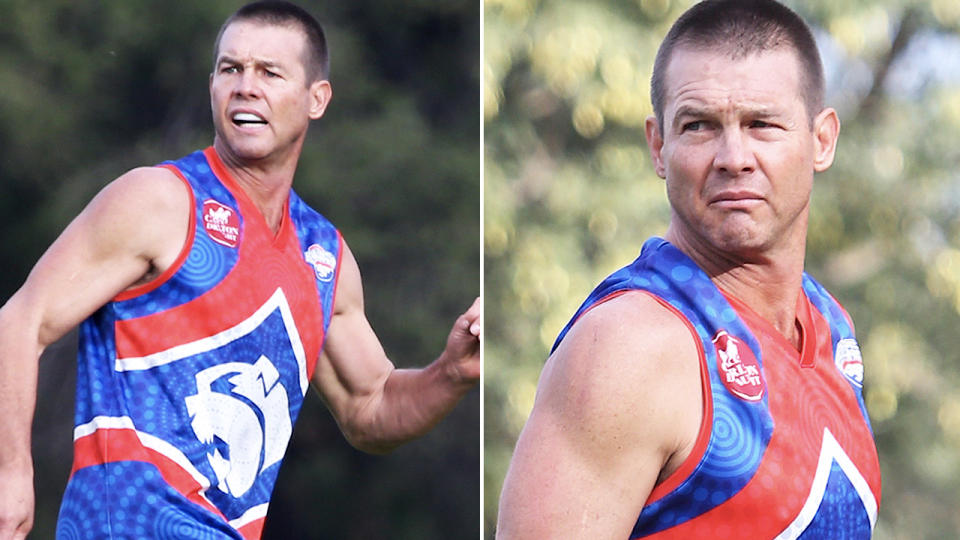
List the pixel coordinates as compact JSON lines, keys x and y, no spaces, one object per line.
{"x":281,"y":13}
{"x":740,"y":28}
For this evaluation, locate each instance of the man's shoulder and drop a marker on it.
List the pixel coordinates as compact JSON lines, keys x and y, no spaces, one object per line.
{"x":629,"y":370}
{"x":631,"y":328}
{"x":156,"y":185}
{"x":142,"y":207}
{"x":639,"y":312}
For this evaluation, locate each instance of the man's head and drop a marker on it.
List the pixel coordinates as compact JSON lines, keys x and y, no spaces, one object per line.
{"x":739,"y":28}
{"x":268,"y":82}
{"x":316,"y":58}
{"x":740,"y":128}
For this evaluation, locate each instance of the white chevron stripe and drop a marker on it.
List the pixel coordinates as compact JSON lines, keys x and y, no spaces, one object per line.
{"x":830,"y":451}
{"x":276,"y":301}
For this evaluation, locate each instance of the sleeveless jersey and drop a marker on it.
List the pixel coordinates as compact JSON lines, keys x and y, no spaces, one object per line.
{"x":785,"y":448}
{"x":188,"y":387}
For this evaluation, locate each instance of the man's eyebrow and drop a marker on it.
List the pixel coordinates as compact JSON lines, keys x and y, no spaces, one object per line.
{"x":689,"y":111}
{"x":759,"y":112}
{"x":763,"y":112}
{"x":226,"y":59}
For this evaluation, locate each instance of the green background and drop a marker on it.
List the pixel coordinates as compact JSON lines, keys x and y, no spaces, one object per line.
{"x":92,"y":89}
{"x":570,"y":195}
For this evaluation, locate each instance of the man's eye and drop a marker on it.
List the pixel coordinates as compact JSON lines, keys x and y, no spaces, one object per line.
{"x":230,"y":69}
{"x":271,"y":73}
{"x":692,"y":126}
{"x":760,"y":124}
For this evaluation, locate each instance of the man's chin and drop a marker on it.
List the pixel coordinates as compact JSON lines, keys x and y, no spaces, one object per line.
{"x":741,"y":237}
{"x":244,"y":151}
{"x":747,"y":247}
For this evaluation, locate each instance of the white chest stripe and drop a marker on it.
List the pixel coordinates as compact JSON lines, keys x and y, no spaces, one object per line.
{"x":276,"y":301}
{"x":830,"y":451}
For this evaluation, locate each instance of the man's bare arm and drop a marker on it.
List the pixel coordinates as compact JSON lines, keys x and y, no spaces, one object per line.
{"x":135,"y":224}
{"x":377,"y":406}
{"x":618,"y":407}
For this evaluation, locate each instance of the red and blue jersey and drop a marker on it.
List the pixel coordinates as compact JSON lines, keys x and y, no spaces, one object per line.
{"x":189,"y":386}
{"x":785,"y":448}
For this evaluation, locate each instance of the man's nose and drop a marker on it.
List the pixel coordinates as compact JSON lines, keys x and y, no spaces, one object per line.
{"x":247,"y":84}
{"x":734,"y":155}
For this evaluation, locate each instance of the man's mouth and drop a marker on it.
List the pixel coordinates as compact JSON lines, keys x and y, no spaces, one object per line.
{"x":248,"y":119}
{"x":737,"y":195}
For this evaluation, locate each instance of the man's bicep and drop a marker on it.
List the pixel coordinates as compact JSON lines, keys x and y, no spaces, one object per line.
{"x":562,"y":483}
{"x":353,"y":364}
{"x":613,"y":407}
{"x":105,"y":249}
{"x":581,"y":468}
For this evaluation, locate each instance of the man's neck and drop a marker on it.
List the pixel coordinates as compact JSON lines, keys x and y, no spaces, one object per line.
{"x":266,"y":182}
{"x":771,"y":292}
{"x":769,"y":283}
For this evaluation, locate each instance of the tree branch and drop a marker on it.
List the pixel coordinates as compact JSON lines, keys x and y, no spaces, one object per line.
{"x":909,"y":24}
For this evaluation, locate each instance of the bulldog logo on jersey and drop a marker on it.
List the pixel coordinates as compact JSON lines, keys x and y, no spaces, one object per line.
{"x":322,"y":261}
{"x":239,"y":391}
{"x":250,"y":421}
{"x":849,"y":361}
{"x":739,"y":369}
{"x":221,"y":223}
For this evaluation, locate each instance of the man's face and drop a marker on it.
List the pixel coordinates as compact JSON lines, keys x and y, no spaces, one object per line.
{"x":262,"y":102}
{"x":737,"y":149}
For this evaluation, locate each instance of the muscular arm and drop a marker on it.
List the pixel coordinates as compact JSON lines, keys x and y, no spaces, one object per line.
{"x":618,"y":407}
{"x":377,"y":406}
{"x":134,"y":225}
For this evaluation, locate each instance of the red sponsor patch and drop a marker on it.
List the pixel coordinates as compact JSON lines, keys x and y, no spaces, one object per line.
{"x":738,"y":367}
{"x":221,"y":223}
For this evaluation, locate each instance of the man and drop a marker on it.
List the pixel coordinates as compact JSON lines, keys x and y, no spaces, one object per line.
{"x":205,"y":316}
{"x":711,"y":389}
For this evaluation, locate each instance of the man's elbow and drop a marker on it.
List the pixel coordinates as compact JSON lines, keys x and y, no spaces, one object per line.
{"x":367,"y":438}
{"x":374,"y":447}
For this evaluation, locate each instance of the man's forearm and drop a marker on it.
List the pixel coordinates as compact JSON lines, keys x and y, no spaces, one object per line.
{"x":413,"y":401}
{"x":19,"y":356}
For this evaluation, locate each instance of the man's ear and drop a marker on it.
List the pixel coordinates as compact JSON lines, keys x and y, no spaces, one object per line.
{"x":826,"y":131}
{"x":655,"y":144}
{"x":320,"y":95}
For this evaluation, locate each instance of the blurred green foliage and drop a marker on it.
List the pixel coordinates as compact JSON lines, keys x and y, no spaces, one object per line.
{"x":92,"y":89}
{"x":570,"y":195}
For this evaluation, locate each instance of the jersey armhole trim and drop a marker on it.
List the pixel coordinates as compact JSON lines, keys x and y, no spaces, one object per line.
{"x":156,"y":282}
{"x":686,"y":469}
{"x":846,"y":315}
{"x":336,"y":278}
{"x":333,"y":298}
